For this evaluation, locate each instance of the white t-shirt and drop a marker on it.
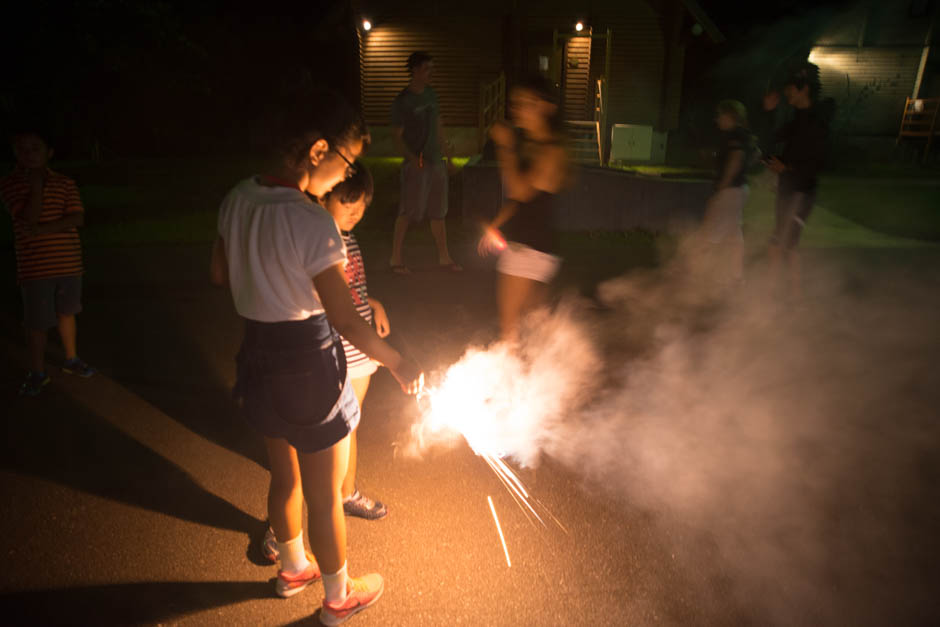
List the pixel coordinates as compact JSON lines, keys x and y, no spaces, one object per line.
{"x":276,"y":241}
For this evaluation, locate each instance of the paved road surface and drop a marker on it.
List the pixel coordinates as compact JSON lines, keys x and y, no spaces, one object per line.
{"x":136,"y":497}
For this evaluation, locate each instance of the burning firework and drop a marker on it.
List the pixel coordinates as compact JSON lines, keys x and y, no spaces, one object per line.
{"x":507,"y":401}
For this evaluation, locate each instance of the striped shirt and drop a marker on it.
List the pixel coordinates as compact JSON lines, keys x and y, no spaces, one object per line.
{"x":49,"y":254}
{"x":356,"y":279}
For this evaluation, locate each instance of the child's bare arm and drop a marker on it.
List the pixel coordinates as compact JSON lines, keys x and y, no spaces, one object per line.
{"x":62,"y":224}
{"x":382,"y":325}
{"x":218,"y":266}
{"x":334,"y":294}
{"x":399,"y":138}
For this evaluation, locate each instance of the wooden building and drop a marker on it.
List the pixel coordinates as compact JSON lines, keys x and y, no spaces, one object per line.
{"x":637,"y":47}
{"x":872,"y":58}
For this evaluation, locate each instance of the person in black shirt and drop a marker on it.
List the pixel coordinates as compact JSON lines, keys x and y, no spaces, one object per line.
{"x":797,"y":168}
{"x":722,"y":223}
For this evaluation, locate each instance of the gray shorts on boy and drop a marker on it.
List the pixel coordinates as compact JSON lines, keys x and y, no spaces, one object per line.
{"x":423,"y":191}
{"x":44,"y":300}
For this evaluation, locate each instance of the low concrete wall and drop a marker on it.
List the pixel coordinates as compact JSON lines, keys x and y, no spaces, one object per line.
{"x":463,"y":141}
{"x":601,"y":199}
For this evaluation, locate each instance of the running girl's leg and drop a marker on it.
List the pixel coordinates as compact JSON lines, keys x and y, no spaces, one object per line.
{"x":538,"y":296}
{"x":512,"y":295}
{"x":322,"y":476}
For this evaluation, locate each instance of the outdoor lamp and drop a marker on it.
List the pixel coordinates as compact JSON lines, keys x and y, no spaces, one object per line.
{"x":366,"y":25}
{"x":579,"y":26}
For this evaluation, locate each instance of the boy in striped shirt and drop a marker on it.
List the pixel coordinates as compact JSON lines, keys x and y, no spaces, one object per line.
{"x":347,"y":203}
{"x":46,"y":211}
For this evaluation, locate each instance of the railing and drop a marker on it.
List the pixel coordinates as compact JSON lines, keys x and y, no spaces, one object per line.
{"x":492,"y":105}
{"x":600,"y":118}
{"x":920,"y":120}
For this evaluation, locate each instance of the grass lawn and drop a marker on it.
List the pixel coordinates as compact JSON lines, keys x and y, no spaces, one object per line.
{"x":901,"y":207}
{"x":825,"y":228}
{"x":175,"y":201}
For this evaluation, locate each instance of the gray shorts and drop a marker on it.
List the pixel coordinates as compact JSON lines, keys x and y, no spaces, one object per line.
{"x":46,"y":299}
{"x":423,"y":191}
{"x":793,"y":209}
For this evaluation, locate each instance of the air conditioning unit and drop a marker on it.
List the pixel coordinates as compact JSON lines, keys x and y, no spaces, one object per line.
{"x":636,"y":143}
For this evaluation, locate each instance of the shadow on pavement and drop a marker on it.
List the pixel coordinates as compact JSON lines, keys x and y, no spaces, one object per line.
{"x":126,"y":603}
{"x":69,"y":445}
{"x":173,"y":343}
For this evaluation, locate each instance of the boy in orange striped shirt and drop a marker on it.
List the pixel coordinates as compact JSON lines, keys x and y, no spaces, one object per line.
{"x":46,"y":211}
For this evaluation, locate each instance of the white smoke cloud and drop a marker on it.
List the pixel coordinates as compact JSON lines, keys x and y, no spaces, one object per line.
{"x":787,"y":434}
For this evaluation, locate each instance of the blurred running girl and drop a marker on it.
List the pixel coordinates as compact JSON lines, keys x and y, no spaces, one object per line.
{"x":535,"y":168}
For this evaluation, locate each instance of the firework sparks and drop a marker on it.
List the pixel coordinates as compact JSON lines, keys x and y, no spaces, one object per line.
{"x":499,"y":530}
{"x":479,"y":403}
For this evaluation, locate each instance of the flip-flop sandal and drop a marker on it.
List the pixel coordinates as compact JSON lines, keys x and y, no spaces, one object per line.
{"x":364,"y":507}
{"x":450,"y":267}
{"x":399,"y":269}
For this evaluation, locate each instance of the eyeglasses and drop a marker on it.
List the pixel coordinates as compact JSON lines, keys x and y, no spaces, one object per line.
{"x":350,"y":166}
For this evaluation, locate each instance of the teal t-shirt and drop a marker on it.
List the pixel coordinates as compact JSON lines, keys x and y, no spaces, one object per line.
{"x":417,"y":115}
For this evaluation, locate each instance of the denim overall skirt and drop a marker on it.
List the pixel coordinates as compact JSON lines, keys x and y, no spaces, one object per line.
{"x":291,"y":380}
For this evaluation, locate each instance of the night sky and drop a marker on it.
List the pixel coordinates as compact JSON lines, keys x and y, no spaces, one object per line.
{"x":173,"y":78}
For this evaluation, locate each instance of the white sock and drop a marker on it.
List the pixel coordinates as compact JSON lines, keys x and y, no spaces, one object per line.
{"x":335,"y":586}
{"x":292,"y":554}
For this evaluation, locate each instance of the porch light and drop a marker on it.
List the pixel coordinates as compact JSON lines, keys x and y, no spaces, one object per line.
{"x":366,"y":25}
{"x":579,"y":26}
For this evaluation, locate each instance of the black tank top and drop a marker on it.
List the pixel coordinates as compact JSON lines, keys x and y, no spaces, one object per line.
{"x":533,"y":222}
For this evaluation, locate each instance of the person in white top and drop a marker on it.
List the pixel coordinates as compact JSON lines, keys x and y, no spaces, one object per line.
{"x":283,"y":258}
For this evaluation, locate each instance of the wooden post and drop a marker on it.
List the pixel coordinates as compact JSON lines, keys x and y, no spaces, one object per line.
{"x":481,"y":139}
{"x":923,"y":60}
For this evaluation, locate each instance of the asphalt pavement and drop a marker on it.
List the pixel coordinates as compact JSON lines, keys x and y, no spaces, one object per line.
{"x":138,"y":496}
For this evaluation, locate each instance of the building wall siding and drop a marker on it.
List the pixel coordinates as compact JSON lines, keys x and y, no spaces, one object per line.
{"x":636,"y":65}
{"x":869,"y":84}
{"x":470,"y":48}
{"x":637,"y":53}
{"x":577,"y":88}
{"x":466,"y":52}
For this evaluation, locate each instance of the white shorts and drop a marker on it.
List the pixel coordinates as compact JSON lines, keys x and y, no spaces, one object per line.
{"x":528,"y":263}
{"x":362,"y":369}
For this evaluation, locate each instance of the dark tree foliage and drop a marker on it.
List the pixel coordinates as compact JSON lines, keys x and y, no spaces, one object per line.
{"x":122,"y":78}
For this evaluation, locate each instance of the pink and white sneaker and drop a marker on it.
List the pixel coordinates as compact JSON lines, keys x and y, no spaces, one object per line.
{"x":361,"y":592}
{"x":289,"y":584}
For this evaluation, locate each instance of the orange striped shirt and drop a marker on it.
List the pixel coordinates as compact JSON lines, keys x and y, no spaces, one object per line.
{"x":49,"y":254}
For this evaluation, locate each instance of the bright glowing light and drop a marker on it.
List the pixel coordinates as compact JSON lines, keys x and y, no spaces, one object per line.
{"x":500,"y":530}
{"x":833,"y":59}
{"x":504,"y":402}
{"x":579,"y":26}
{"x":496,"y":240}
{"x":366,"y":25}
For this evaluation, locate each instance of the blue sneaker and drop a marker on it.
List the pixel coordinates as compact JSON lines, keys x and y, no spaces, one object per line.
{"x":78,"y":367}
{"x":34,"y":383}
